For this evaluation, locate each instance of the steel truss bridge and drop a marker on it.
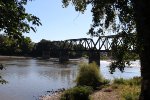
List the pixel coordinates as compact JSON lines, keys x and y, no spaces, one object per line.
{"x":103,"y":44}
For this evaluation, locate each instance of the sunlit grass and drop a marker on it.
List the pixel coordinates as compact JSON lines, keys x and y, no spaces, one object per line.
{"x":128,"y":89}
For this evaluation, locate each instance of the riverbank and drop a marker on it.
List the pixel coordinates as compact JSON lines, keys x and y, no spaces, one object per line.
{"x":13,"y":57}
{"x":104,"y":94}
{"x":120,"y":89}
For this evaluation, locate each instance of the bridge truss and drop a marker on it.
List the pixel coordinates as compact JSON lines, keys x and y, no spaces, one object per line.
{"x":103,"y":43}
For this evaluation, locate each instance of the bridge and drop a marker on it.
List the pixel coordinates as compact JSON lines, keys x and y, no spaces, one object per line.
{"x":103,"y":44}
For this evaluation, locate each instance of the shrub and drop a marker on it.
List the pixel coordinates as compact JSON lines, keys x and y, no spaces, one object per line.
{"x":89,"y":75}
{"x":106,"y":81}
{"x":77,"y":93}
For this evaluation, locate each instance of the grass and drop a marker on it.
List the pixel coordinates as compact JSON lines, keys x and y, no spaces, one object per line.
{"x":128,"y":89}
{"x":129,"y":92}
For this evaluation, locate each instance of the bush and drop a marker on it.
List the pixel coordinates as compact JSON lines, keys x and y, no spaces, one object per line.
{"x":77,"y":93}
{"x":89,"y":75}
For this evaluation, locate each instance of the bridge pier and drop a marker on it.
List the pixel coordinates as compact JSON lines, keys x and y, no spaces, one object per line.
{"x":63,"y":56}
{"x":94,"y":56}
{"x":46,"y":54}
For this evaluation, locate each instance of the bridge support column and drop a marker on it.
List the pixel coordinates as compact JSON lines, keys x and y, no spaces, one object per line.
{"x":94,"y":56}
{"x":63,"y":56}
{"x":46,"y":54}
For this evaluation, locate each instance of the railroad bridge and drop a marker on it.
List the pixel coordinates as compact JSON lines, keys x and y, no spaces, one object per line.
{"x":103,"y":44}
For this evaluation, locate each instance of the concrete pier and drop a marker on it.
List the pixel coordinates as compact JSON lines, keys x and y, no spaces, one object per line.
{"x":46,"y":54}
{"x":94,"y":56}
{"x":63,"y":56}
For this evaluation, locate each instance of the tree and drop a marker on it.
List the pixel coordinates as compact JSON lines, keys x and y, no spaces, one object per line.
{"x":15,"y":21}
{"x":26,"y":46}
{"x":125,"y":16}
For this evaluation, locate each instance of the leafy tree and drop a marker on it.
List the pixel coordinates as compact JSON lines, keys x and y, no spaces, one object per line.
{"x":7,"y":45}
{"x":26,"y":46}
{"x":54,"y":48}
{"x":40,"y":47}
{"x":125,"y":16}
{"x":15,"y":20}
{"x":13,"y":47}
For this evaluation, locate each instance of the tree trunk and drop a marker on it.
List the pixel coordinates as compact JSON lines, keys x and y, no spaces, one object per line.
{"x":142,"y":17}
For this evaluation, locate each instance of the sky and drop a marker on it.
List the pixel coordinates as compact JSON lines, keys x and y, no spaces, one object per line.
{"x":58,"y":23}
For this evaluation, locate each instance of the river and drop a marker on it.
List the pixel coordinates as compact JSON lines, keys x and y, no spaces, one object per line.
{"x":30,"y":78}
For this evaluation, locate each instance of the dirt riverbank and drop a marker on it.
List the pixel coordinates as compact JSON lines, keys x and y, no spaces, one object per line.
{"x":104,"y":94}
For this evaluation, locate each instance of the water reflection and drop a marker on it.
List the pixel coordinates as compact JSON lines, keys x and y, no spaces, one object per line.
{"x":30,"y":78}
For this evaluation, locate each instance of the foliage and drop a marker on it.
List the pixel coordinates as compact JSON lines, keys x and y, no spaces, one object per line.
{"x":123,"y":52}
{"x":107,"y":13}
{"x":117,"y":15}
{"x":15,"y":20}
{"x":26,"y":46}
{"x":43,"y":45}
{"x":77,"y":93}
{"x":106,"y":82}
{"x":89,"y":75}
{"x":54,"y":48}
{"x":122,"y":16}
{"x":10,"y":46}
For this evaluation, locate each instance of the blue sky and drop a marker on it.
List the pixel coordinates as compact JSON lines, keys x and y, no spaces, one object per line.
{"x":58,"y":23}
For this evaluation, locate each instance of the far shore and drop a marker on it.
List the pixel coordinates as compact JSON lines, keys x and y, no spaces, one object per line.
{"x":13,"y":57}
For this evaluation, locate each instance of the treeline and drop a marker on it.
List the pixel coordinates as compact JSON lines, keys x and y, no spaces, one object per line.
{"x":12,"y":47}
{"x":54,"y":48}
{"x":25,"y":47}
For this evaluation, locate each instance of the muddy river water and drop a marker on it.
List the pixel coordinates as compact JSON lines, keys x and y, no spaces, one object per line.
{"x":30,"y":78}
